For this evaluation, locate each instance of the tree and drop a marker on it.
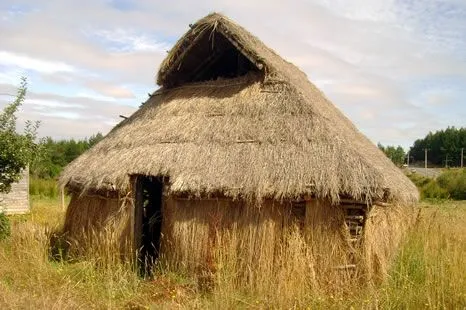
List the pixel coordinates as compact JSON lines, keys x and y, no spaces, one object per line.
{"x":94,"y":139}
{"x":396,"y":154}
{"x":444,"y":146}
{"x":55,"y":155}
{"x":16,"y":150}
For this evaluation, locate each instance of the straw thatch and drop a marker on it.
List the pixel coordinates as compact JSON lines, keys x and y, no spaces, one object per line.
{"x":268,"y":133}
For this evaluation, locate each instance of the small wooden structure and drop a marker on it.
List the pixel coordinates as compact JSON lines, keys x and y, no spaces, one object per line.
{"x":17,"y":200}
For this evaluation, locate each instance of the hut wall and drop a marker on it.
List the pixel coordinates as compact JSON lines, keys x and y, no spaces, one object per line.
{"x":17,"y":200}
{"x":97,"y":223}
{"x":272,"y":246}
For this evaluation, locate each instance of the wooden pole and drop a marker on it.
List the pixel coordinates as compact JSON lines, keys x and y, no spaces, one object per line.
{"x":425,"y":160}
{"x":462,"y":149}
{"x":62,"y":196}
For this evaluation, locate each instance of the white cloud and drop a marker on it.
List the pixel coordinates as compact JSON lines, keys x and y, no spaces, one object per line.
{"x":121,"y":40}
{"x":66,"y":115}
{"x":109,"y":90}
{"x":94,"y":95}
{"x":30,"y":63}
{"x":46,"y":104}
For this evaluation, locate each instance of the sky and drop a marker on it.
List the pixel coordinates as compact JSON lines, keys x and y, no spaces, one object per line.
{"x":396,"y":68}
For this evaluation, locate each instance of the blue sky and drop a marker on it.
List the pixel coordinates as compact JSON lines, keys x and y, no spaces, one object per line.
{"x":396,"y":68}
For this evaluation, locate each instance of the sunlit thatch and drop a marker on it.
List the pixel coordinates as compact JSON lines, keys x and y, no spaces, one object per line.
{"x":268,"y":133}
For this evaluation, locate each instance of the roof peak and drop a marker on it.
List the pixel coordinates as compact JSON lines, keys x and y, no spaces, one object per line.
{"x":214,"y":39}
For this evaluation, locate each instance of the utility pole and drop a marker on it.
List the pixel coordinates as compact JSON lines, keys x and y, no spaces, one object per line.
{"x":462,"y":157}
{"x":408,"y":160}
{"x":425,"y":161}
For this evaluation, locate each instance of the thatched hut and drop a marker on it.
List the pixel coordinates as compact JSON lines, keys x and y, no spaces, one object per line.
{"x":238,"y":162}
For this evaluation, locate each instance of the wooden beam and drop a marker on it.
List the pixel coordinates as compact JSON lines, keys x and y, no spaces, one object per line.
{"x":352,"y":201}
{"x":382,"y":204}
{"x":177,"y":63}
{"x":246,"y":54}
{"x":62,"y":198}
{"x":138,"y":211}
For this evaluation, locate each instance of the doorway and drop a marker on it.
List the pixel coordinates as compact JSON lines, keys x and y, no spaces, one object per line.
{"x":148,"y":220}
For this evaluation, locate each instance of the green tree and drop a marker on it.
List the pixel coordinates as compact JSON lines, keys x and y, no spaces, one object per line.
{"x":16,"y":150}
{"x":396,"y":154}
{"x":444,"y":147}
{"x":57,"y":154}
{"x":94,"y":139}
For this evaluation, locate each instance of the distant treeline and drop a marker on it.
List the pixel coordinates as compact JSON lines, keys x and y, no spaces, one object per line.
{"x":396,"y":154}
{"x":443,"y":147}
{"x":55,"y":155}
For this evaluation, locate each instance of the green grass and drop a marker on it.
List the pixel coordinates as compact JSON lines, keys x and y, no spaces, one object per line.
{"x":43,"y":187}
{"x":429,"y":271}
{"x":427,"y":274}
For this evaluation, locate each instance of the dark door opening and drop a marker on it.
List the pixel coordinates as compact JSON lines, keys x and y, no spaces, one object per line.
{"x":148,"y":220}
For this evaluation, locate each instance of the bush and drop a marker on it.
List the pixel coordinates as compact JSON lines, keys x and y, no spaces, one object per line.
{"x":433,"y":190}
{"x":450,"y":184}
{"x":419,"y":180}
{"x":5,"y":228}
{"x":454,"y":182}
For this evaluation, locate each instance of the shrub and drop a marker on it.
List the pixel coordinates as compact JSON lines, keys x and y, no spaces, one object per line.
{"x":433,"y":190}
{"x":5,"y":228}
{"x":454,"y":181}
{"x":450,"y":184}
{"x":419,"y":180}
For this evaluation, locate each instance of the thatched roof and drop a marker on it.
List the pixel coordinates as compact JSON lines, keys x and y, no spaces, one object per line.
{"x":266,"y":133}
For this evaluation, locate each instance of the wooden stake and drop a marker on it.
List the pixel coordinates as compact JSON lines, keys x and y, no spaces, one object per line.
{"x":62,"y":196}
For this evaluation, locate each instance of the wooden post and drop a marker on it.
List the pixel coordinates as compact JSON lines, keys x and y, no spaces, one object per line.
{"x":62,"y":197}
{"x":138,"y":213}
{"x":462,"y":149}
{"x":425,"y":161}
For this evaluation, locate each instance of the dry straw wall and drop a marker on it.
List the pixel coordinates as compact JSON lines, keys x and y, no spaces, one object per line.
{"x":266,"y":249}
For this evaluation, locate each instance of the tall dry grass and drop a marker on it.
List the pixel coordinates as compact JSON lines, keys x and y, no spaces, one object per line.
{"x":31,"y":278}
{"x":428,"y":272}
{"x":264,"y":251}
{"x":430,"y":268}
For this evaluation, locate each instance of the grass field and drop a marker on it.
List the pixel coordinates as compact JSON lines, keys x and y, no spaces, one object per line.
{"x":428,"y":273}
